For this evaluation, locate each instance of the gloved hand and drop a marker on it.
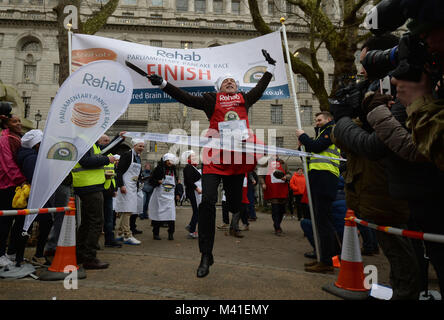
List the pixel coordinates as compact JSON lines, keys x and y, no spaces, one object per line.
{"x":269,"y":59}
{"x":155,"y":79}
{"x":340,"y":110}
{"x":373,"y":100}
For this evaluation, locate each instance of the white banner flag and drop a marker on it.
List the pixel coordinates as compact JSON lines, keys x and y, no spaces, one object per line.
{"x":194,"y":70}
{"x":85,"y":107}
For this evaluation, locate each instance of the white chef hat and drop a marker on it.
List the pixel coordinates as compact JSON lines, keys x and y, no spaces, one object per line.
{"x":31,"y":138}
{"x":117,"y":157}
{"x":184,"y":157}
{"x":221,"y":79}
{"x":169,"y":156}
{"x":135,"y":141}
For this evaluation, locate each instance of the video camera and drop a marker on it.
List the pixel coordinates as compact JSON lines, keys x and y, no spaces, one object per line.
{"x":410,"y":58}
{"x":350,"y":94}
{"x":5,"y":108}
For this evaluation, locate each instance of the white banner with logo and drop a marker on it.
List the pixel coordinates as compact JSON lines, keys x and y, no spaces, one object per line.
{"x":85,"y":107}
{"x":194,"y":70}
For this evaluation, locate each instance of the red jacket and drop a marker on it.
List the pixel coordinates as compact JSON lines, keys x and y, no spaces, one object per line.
{"x":297,"y":184}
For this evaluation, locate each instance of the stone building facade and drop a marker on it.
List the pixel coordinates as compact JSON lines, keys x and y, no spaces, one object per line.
{"x":29,"y":58}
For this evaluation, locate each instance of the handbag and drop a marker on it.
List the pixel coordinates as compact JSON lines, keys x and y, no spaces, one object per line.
{"x":20,"y":199}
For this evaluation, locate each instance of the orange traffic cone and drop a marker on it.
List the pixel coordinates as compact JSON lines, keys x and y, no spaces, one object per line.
{"x":66,"y":249}
{"x":350,"y":283}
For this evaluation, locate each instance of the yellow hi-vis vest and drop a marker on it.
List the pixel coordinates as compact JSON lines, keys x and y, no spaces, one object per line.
{"x":83,"y":177}
{"x":109,"y":170}
{"x":326,"y":164}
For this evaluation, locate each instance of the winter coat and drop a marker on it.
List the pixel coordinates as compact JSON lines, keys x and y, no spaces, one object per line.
{"x":426,"y":120}
{"x":159,"y":173}
{"x":10,"y":174}
{"x":366,"y":183}
{"x":27,"y":159}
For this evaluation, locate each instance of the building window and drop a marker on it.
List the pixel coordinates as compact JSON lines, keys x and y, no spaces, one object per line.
{"x":152,"y":146}
{"x":289,"y":8}
{"x":218,"y":6}
{"x":31,"y":46}
{"x":276,"y":114}
{"x":279,"y":142}
{"x":235,"y":6}
{"x":157,"y":3}
{"x":306,"y":116}
{"x":302,"y":84}
{"x":155,"y":112}
{"x":130,"y":2}
{"x":27,"y":102}
{"x":270,"y":7}
{"x":55,"y":73}
{"x":186,"y":45}
{"x":329,"y":56}
{"x":29,"y":72}
{"x":36,"y":2}
{"x":156,"y":43}
{"x":200,"y":6}
{"x":182,"y":5}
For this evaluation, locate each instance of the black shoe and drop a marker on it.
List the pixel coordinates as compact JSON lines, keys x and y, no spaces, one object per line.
{"x":310,"y":255}
{"x":170,"y":236}
{"x":204,"y":268}
{"x":135,"y":231}
{"x":95,"y":264}
{"x":113,"y":244}
{"x":156,"y":237}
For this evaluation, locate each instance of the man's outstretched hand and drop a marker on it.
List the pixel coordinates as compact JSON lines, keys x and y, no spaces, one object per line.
{"x":155,"y":79}
{"x":269,"y":59}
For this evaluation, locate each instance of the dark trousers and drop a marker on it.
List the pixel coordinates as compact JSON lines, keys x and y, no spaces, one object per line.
{"x":194,"y":218}
{"x":291,"y":202}
{"x":429,"y":218}
{"x":157,"y":224}
{"x":91,"y":225}
{"x":244,"y":213}
{"x":322,"y":207}
{"x":146,"y":201}
{"x":133,"y":219}
{"x":6,"y":196}
{"x":108,"y":218}
{"x":225,"y":213}
{"x":277,"y":214}
{"x":207,"y":209}
{"x":251,"y":199}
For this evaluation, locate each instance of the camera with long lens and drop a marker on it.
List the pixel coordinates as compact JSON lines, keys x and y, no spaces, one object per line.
{"x":350,"y":95}
{"x":5,"y":108}
{"x":411,"y":58}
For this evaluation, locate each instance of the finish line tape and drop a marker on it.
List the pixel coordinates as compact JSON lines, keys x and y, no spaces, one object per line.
{"x":216,"y":143}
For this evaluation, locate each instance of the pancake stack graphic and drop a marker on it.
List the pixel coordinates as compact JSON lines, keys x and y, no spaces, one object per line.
{"x":85,"y":115}
{"x":85,"y":56}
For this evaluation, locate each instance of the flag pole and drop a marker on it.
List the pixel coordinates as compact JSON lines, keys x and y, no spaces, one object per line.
{"x":69,"y":25}
{"x":299,"y":126}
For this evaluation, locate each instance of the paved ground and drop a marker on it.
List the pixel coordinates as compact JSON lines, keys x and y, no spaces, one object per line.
{"x":260,"y":266}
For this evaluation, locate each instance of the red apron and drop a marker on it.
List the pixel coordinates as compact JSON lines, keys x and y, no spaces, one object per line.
{"x":245,"y":190}
{"x":276,"y":188}
{"x":228,"y":107}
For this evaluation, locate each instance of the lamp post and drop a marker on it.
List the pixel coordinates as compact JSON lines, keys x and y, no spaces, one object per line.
{"x":38,"y":118}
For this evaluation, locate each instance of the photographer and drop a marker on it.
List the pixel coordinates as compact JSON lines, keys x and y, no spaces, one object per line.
{"x":372,"y":176}
{"x":419,"y":137}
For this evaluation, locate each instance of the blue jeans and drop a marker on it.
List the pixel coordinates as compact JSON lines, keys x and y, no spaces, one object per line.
{"x":251,"y":199}
{"x":108,"y":217}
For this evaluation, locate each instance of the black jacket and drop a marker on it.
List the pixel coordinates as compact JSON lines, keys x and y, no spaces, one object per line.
{"x":321,"y":181}
{"x":26,"y":160}
{"x":190,"y":177}
{"x":124,"y":163}
{"x":92,"y":161}
{"x":407,"y":180}
{"x":159,"y":173}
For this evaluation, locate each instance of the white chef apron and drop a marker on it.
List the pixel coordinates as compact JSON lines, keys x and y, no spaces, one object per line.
{"x":162,"y":206}
{"x":129,"y":202}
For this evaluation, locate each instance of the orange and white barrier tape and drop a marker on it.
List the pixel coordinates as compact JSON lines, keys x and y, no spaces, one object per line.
{"x":24,"y":212}
{"x":400,"y":232}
